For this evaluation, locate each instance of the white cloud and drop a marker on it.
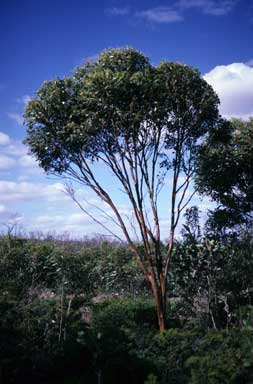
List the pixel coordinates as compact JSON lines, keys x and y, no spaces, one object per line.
{"x":17,"y":117}
{"x":14,"y":153}
{"x":29,"y":168}
{"x":14,"y":148}
{"x":209,"y":7}
{"x":4,"y":139}
{"x":176,"y":11}
{"x":27,"y":161}
{"x":160,"y":15}
{"x":234,"y":86}
{"x":6,"y":162}
{"x":26,"y":191}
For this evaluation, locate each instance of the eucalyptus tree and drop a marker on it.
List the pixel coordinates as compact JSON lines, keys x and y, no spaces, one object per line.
{"x":145,"y":124}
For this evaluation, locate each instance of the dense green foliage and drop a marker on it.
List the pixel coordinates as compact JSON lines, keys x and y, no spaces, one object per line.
{"x":79,"y":311}
{"x":107,"y":105}
{"x":225,"y":173}
{"x":214,"y":277}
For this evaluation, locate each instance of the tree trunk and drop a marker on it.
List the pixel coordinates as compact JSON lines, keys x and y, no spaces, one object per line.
{"x":160,"y":303}
{"x":161,"y":319}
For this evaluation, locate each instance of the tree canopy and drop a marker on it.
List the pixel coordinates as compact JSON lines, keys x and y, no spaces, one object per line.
{"x":121,"y":99}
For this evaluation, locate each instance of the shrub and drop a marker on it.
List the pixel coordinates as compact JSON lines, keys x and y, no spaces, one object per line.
{"x":168,"y":352}
{"x":221,"y":357}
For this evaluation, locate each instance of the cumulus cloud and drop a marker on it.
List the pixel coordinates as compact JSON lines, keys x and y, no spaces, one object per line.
{"x":27,"y":161}
{"x":234,"y":86}
{"x":14,"y":153}
{"x":27,"y":191}
{"x":6,"y":162}
{"x":4,"y":139}
{"x":14,"y":148}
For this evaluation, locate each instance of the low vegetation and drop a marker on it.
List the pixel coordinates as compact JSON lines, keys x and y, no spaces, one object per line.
{"x":82,"y":312}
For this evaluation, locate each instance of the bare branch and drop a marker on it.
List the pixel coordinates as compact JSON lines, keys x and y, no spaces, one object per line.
{"x":71,"y":193}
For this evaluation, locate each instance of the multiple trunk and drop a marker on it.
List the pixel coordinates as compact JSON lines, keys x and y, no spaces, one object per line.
{"x":159,"y":288}
{"x":136,"y":167}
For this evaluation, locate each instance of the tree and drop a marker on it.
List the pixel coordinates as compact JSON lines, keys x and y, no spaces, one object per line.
{"x":145,"y":124}
{"x":225,"y":173}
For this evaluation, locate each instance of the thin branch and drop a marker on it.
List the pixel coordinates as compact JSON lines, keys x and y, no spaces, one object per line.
{"x":71,"y":193}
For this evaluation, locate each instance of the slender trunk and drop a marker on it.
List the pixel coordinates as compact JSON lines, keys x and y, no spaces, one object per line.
{"x":160,"y":302}
{"x":162,"y":319}
{"x":161,"y":314}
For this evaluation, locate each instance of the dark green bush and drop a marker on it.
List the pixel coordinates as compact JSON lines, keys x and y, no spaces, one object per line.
{"x":222,"y":357}
{"x":119,"y":327}
{"x":168,"y":352}
{"x":120,"y":313}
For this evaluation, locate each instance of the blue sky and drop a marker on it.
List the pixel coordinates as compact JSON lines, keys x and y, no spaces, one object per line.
{"x":41,"y":40}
